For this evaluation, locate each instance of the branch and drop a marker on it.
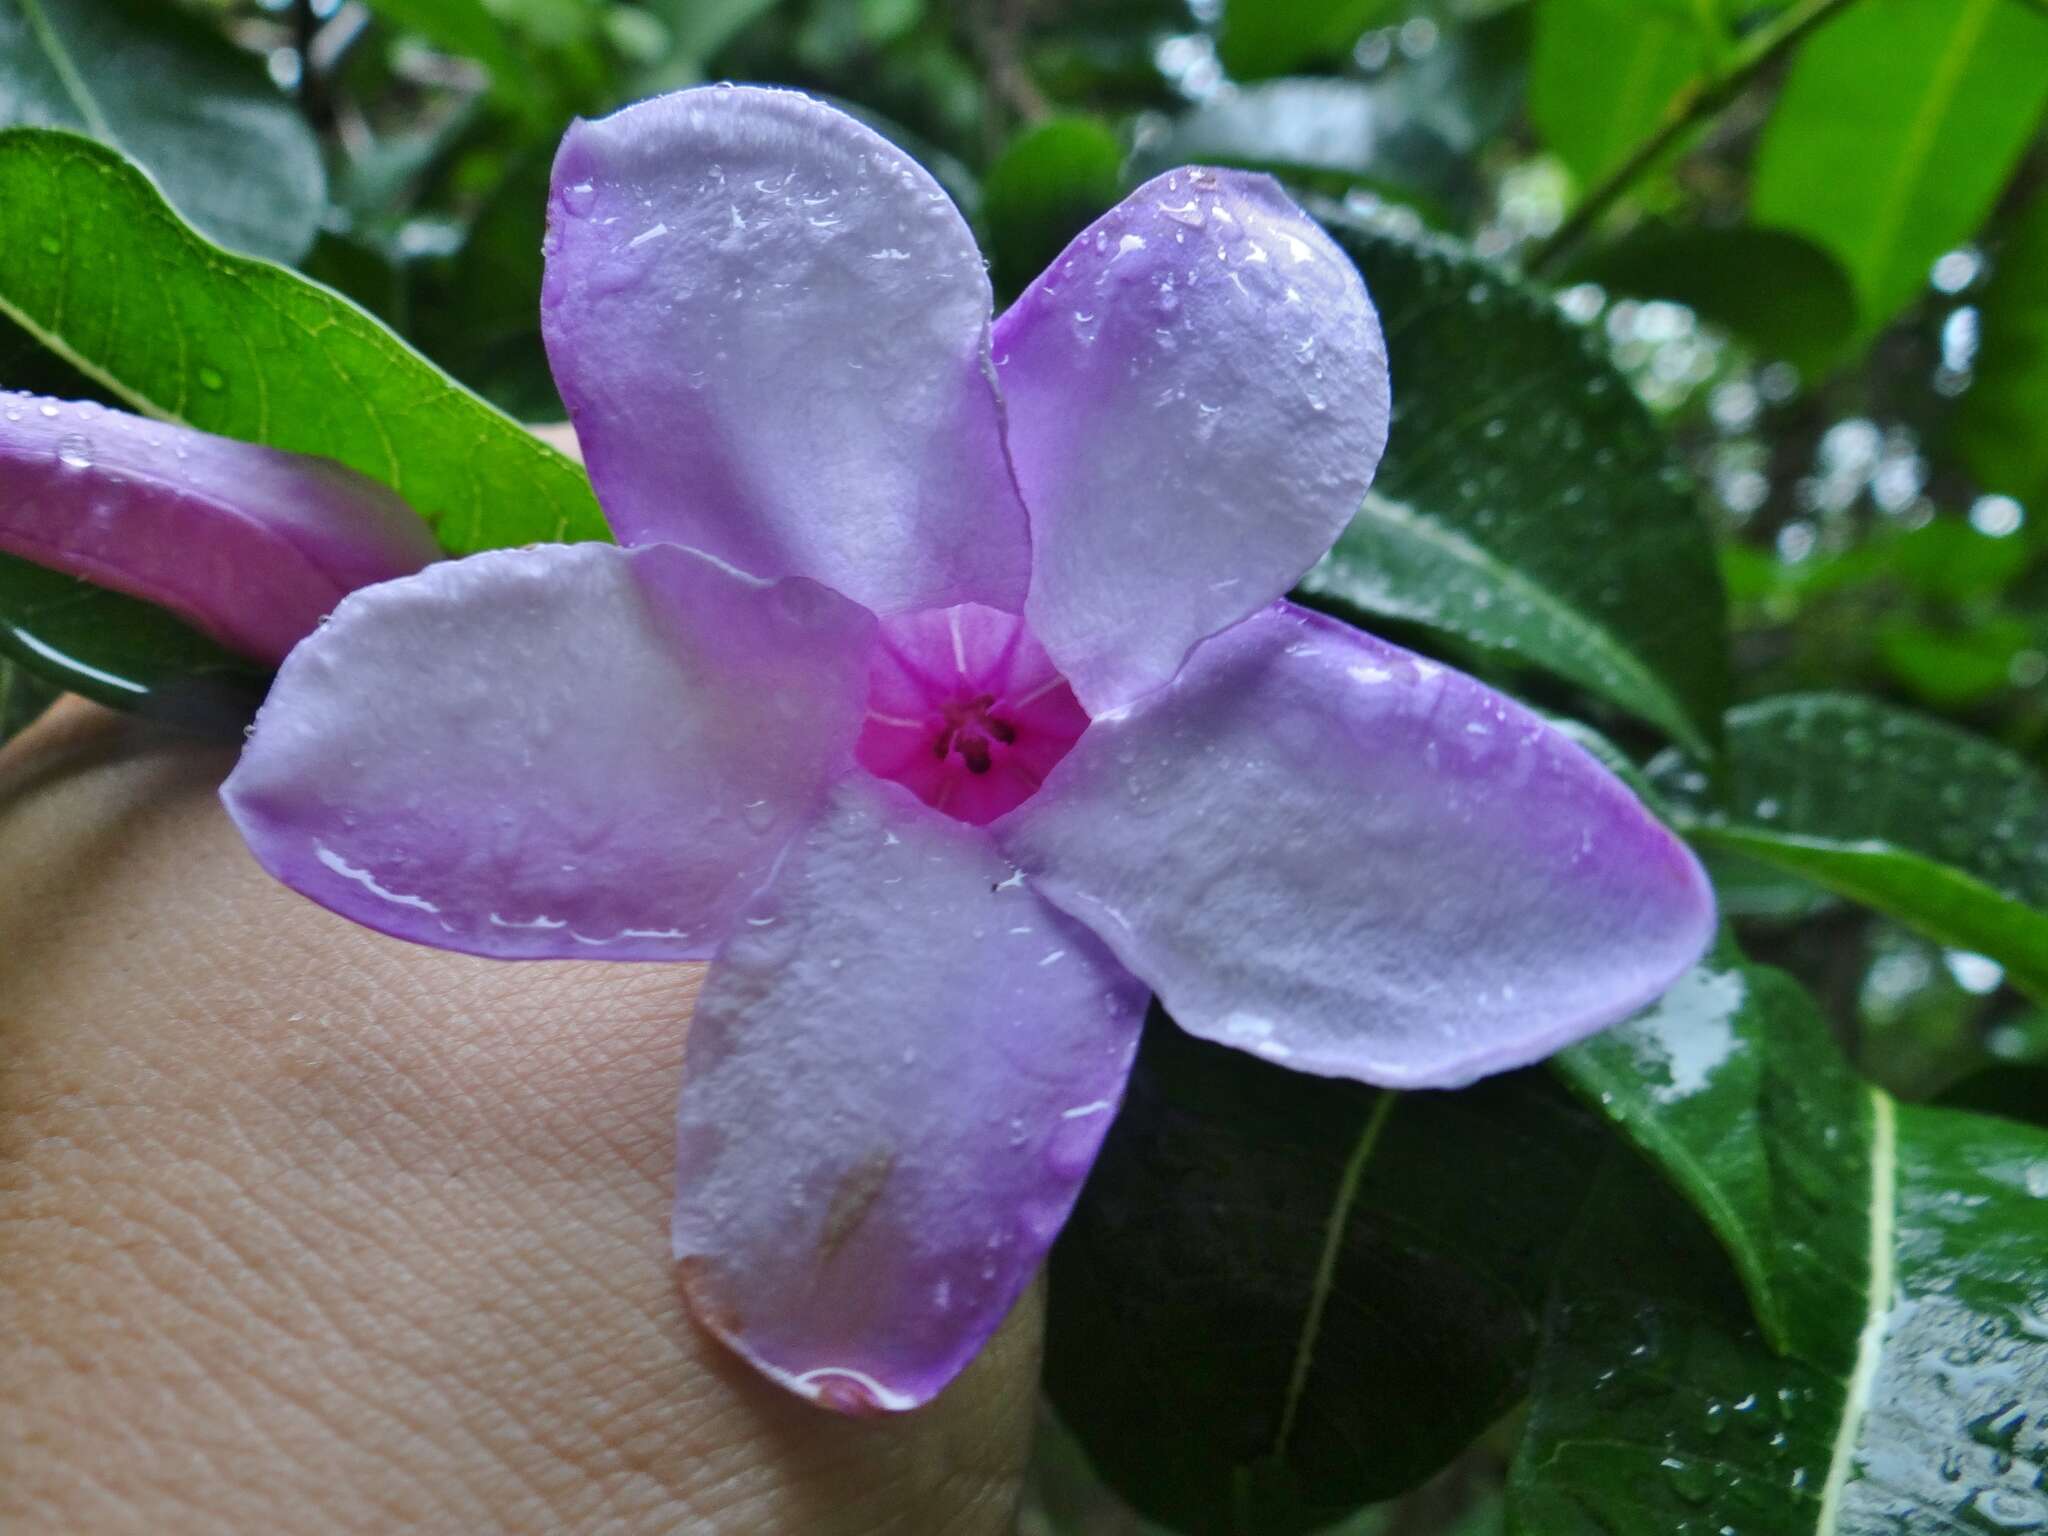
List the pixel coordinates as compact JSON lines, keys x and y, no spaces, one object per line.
{"x":1692,"y":106}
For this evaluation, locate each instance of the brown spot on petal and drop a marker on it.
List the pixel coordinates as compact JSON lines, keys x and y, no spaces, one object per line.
{"x":853,"y":1199}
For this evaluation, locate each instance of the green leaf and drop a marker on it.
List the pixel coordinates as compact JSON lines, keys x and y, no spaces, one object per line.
{"x":1603,"y":73}
{"x":1997,"y":427}
{"x":1528,"y":503}
{"x":1732,"y":1086}
{"x":1953,"y":667}
{"x":197,"y":113}
{"x":1779,"y":292}
{"x":122,"y":652}
{"x":97,"y":266}
{"x":1942,"y":830}
{"x":24,"y":695}
{"x":1898,"y":123}
{"x":1908,"y":1402}
{"x":1050,"y":183}
{"x":1282,"y":1296}
{"x":1273,"y":37}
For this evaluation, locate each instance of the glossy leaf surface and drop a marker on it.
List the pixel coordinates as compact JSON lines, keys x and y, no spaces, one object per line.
{"x":249,"y":350}
{"x":1909,"y":1401}
{"x":1527,"y":502}
{"x":1255,"y":1244}
{"x":122,"y":652}
{"x":1938,"y":828}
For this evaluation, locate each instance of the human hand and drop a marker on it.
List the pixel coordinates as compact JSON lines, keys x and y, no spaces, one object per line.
{"x":307,"y":1230}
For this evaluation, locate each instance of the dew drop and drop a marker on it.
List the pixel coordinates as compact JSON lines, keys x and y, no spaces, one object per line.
{"x":212,"y":378}
{"x":74,"y":450}
{"x":51,"y":245}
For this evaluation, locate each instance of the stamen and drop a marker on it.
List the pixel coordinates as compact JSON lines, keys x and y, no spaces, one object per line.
{"x":947,"y":675}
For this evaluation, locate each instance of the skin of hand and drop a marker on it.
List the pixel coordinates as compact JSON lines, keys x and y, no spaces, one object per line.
{"x":308,"y":1230}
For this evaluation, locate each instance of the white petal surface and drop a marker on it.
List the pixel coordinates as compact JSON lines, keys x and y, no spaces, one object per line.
{"x":1197,"y":400}
{"x":771,"y":329}
{"x":898,"y":1074}
{"x":1322,"y":849}
{"x":569,"y":751}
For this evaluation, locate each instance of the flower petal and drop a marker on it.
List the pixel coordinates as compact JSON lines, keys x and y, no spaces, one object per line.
{"x":899,"y":1072}
{"x":1197,"y":399}
{"x":771,"y":329}
{"x":562,"y":751}
{"x":1322,"y":849}
{"x":252,"y":545}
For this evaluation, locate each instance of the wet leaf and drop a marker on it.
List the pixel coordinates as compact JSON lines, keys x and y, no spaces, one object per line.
{"x":231,"y":153}
{"x":1942,"y":830}
{"x":1721,"y":1084}
{"x":1908,"y":1398}
{"x":1282,"y":1296}
{"x":1897,"y":126}
{"x":250,"y":350}
{"x":121,"y":652}
{"x":1527,"y":502}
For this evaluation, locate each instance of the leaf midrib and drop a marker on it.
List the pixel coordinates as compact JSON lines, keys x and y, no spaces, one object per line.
{"x":1348,"y":1185}
{"x":1971,"y":23}
{"x":1883,"y":1201}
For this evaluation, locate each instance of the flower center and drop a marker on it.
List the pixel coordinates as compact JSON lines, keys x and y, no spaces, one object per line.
{"x":966,"y":710}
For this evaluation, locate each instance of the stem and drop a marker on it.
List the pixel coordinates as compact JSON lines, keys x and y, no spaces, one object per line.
{"x":1693,"y":105}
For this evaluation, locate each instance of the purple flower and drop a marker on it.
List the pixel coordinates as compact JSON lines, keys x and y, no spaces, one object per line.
{"x":251,"y":545}
{"x":946,"y":699}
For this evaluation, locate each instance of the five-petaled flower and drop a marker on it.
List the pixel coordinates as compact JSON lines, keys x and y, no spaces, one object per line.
{"x":944,"y":695}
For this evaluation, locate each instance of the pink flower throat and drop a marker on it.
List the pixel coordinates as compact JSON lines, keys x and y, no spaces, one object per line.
{"x":966,"y":711}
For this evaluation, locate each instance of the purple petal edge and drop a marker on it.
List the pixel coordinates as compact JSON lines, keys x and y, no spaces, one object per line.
{"x":563,"y":752}
{"x":251,"y":545}
{"x":771,"y":328}
{"x":899,"y":1073}
{"x":1350,"y":860}
{"x":1197,"y":399}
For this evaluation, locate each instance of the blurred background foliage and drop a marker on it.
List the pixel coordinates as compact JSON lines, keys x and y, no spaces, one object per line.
{"x":1812,"y":235}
